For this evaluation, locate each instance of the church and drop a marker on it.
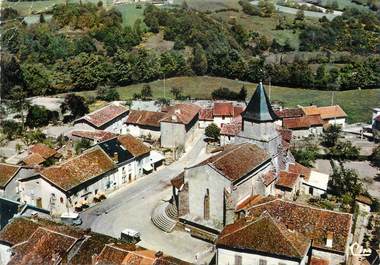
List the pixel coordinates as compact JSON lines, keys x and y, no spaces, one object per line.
{"x":257,"y":163}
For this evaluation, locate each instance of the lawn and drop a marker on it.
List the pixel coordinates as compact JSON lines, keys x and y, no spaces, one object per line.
{"x":130,"y":13}
{"x":357,"y":103}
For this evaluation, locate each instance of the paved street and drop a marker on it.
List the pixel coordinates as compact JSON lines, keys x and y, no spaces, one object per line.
{"x":132,"y":205}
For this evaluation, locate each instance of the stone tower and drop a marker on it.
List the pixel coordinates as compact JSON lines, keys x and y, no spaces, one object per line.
{"x":258,"y":125}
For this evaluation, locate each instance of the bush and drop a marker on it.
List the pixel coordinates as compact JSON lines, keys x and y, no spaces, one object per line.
{"x":38,"y":116}
{"x":212,"y":131}
{"x":107,"y":93}
{"x":11,"y":129}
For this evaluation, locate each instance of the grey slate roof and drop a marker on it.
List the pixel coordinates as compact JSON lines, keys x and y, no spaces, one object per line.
{"x":259,"y":108}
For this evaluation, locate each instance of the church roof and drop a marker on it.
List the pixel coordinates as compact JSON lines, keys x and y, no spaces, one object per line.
{"x":259,"y":108}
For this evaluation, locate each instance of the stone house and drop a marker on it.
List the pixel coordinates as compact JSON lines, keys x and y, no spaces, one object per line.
{"x":72,"y":184}
{"x":304,"y":126}
{"x":206,"y":194}
{"x":9,"y":176}
{"x":94,"y":137}
{"x":221,"y":113}
{"x":288,"y":113}
{"x":110,"y":118}
{"x":178,"y":128}
{"x":36,"y":240}
{"x":276,"y":231}
{"x":40,"y":154}
{"x":329,"y":114}
{"x":146,"y":124}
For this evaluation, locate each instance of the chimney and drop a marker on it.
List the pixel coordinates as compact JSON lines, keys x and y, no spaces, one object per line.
{"x":174,"y":118}
{"x":329,"y":239}
{"x":115,"y":157}
{"x":94,"y":259}
{"x":159,"y":254}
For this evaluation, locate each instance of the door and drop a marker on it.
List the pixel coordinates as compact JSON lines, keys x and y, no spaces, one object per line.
{"x":311,"y":190}
{"x":39,"y":202}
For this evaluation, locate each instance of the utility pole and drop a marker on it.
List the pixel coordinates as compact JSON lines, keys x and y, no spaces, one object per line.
{"x":164,"y":87}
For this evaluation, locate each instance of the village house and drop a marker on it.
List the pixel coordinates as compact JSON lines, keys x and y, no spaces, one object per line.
{"x":9,"y":176}
{"x":221,"y":113}
{"x":288,"y":113}
{"x":329,"y":114}
{"x":229,"y":131}
{"x":178,"y":128}
{"x":145,"y":124}
{"x":94,"y":137}
{"x":40,"y":154}
{"x":35,"y":240}
{"x":275,"y":231}
{"x":132,"y":156}
{"x":207,"y":193}
{"x":110,"y":118}
{"x":304,"y":126}
{"x":72,"y":184}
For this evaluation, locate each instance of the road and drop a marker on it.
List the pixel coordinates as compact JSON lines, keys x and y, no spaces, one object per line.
{"x":132,"y":205}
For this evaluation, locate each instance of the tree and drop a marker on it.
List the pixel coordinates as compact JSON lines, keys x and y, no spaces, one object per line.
{"x":199,"y":63}
{"x":300,"y":16}
{"x":345,"y":181}
{"x":42,"y":18}
{"x":344,"y":150}
{"x":81,"y":145}
{"x":19,"y":103}
{"x":212,"y":131}
{"x":331,"y":135}
{"x":243,"y":93}
{"x":36,"y":77}
{"x":37,"y":116}
{"x":146,"y":91}
{"x":106,"y":93}
{"x":177,"y":92}
{"x":75,"y":104}
{"x":33,"y":137}
{"x":267,"y":8}
{"x":306,"y":153}
{"x":11,"y":129}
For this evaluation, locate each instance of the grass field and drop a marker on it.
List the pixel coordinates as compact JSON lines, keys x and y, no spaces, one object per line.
{"x":357,"y":103}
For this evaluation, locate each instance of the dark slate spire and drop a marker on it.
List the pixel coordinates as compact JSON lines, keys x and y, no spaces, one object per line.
{"x":259,"y":108}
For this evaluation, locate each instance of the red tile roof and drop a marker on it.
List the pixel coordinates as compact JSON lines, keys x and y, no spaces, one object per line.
{"x":182,"y":113}
{"x":318,"y":261}
{"x":223,"y":109}
{"x":327,"y":112}
{"x":248,"y":202}
{"x":286,"y":134}
{"x":43,"y":247}
{"x":300,"y":169}
{"x":268,"y":178}
{"x":133,"y":145}
{"x":206,"y":115}
{"x":312,"y":222}
{"x":97,"y":135}
{"x":238,"y":111}
{"x":265,"y":235}
{"x":233,"y":128}
{"x":303,"y":122}
{"x":33,"y":159}
{"x":104,"y":115}
{"x":290,"y":113}
{"x":43,"y":150}
{"x":178,"y":181}
{"x":7,"y":172}
{"x":146,"y":118}
{"x":237,"y":160}
{"x":80,"y":169}
{"x":287,"y":179}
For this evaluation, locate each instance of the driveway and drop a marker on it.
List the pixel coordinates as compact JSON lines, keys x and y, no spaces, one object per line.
{"x":132,"y":205}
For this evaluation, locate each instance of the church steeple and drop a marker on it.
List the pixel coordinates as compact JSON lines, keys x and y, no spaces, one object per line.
{"x":259,"y":108}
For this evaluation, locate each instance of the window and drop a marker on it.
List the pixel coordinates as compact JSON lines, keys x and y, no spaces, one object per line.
{"x":262,"y":262}
{"x":61,"y":200}
{"x":238,"y":260}
{"x":206,"y":205}
{"x":96,"y":191}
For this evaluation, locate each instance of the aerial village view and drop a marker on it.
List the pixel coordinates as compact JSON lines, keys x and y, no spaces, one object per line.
{"x":176,"y":132}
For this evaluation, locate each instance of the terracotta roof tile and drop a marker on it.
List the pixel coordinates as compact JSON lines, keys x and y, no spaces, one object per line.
{"x":146,"y":118}
{"x":92,"y":163}
{"x":97,"y":135}
{"x":43,"y":247}
{"x":237,"y":160}
{"x":268,"y":178}
{"x":7,"y":172}
{"x":303,"y":122}
{"x":43,"y":150}
{"x":133,"y":145}
{"x":179,"y":180}
{"x":248,"y":202}
{"x":223,"y":109}
{"x":238,"y":110}
{"x":318,"y":261}
{"x":287,"y":179}
{"x":312,"y":222}
{"x":33,"y":159}
{"x":264,"y":234}
{"x":104,"y":115}
{"x":206,"y":115}
{"x":300,"y":169}
{"x":182,"y":113}
{"x":327,"y":112}
{"x":233,"y":128}
{"x":286,"y":134}
{"x":290,"y":113}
